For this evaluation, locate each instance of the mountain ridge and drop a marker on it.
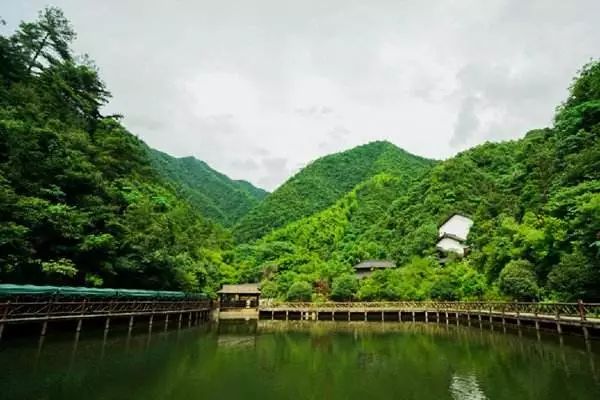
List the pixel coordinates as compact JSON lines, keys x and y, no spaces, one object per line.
{"x":323,"y":181}
{"x":213,"y":193}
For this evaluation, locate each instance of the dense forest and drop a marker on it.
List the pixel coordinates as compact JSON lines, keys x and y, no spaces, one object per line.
{"x":80,"y":202}
{"x":85,"y":202}
{"x":322,"y":182}
{"x":212,"y":193}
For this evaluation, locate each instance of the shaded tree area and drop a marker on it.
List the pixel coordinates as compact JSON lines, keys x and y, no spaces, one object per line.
{"x":79,"y":201}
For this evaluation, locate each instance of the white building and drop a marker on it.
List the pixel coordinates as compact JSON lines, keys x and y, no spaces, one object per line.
{"x":453,"y":234}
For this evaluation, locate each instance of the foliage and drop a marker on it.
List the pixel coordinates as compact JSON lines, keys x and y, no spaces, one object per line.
{"x":344,"y":287}
{"x":213,"y":194}
{"x":79,"y":201}
{"x":517,"y":280}
{"x":324,"y":181}
{"x":299,"y":291}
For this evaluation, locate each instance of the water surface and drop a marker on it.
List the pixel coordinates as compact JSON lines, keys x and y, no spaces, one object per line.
{"x":301,"y":360}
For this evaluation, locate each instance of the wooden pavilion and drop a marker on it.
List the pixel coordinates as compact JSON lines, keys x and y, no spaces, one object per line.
{"x":245,"y":295}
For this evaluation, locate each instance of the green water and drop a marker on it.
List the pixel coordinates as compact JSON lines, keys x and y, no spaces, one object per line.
{"x":278,"y":360}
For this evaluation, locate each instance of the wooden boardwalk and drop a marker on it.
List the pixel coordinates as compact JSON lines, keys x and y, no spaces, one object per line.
{"x":582,"y":317}
{"x":45,"y":311}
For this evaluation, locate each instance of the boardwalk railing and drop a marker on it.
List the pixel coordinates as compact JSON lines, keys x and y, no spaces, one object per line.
{"x":25,"y":311}
{"x":579,"y":310}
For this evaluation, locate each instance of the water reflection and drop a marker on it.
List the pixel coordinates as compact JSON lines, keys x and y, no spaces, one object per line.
{"x":466,"y":388}
{"x":300,"y":360}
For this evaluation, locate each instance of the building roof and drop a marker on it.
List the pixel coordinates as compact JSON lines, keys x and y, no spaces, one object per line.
{"x":375,"y":264}
{"x":244,"y":288}
{"x":456,"y":227}
{"x":448,"y":245}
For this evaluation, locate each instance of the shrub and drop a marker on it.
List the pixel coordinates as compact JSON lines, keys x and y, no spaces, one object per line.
{"x":517,"y":280}
{"x":299,"y":291}
{"x":344,"y":287}
{"x":268,"y":289}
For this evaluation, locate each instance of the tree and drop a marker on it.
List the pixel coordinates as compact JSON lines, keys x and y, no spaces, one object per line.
{"x":344,"y":287}
{"x":268,"y":289}
{"x":517,"y":280}
{"x":299,"y":291}
{"x":49,"y":37}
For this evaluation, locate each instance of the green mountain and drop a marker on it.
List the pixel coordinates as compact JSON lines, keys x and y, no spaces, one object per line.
{"x":214,"y":194}
{"x":323,"y":182}
{"x":535,"y":203}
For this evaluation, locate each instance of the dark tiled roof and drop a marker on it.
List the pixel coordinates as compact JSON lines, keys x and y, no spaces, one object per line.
{"x":370,"y":264}
{"x":244,"y":288}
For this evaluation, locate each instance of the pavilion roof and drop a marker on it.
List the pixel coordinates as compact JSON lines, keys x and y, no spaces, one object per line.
{"x":243,"y":288}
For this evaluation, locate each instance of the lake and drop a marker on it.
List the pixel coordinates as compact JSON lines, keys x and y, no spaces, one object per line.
{"x":301,"y":360}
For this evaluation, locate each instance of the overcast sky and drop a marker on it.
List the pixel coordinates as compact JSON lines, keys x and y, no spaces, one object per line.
{"x":260,"y":88}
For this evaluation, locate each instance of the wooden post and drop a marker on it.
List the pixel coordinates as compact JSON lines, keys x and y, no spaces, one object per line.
{"x":447,"y":322}
{"x":586,"y":334}
{"x":382,"y":316}
{"x":4,"y":315}
{"x":426,"y":316}
{"x":333,"y":315}
{"x":437,"y":316}
{"x":581,"y":309}
{"x":349,"y":316}
{"x":457,"y":319}
{"x":365,"y":315}
{"x":272,"y":315}
{"x":166,"y":322}
{"x":558,"y":327}
{"x":413,"y":316}
{"x":287,"y":315}
{"x":469,"y":318}
{"x":399,"y":316}
{"x":189,"y":320}
{"x":150,"y":322}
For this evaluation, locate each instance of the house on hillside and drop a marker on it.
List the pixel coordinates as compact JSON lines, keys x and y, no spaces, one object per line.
{"x":453,"y":234}
{"x":367,"y":267}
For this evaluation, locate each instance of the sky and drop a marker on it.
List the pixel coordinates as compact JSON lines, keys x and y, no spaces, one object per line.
{"x":260,"y":88}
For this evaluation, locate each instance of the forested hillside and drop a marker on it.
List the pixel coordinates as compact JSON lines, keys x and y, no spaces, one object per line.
{"x":535,"y":203}
{"x":212,"y":193}
{"x":323,"y":182}
{"x":80,"y":202}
